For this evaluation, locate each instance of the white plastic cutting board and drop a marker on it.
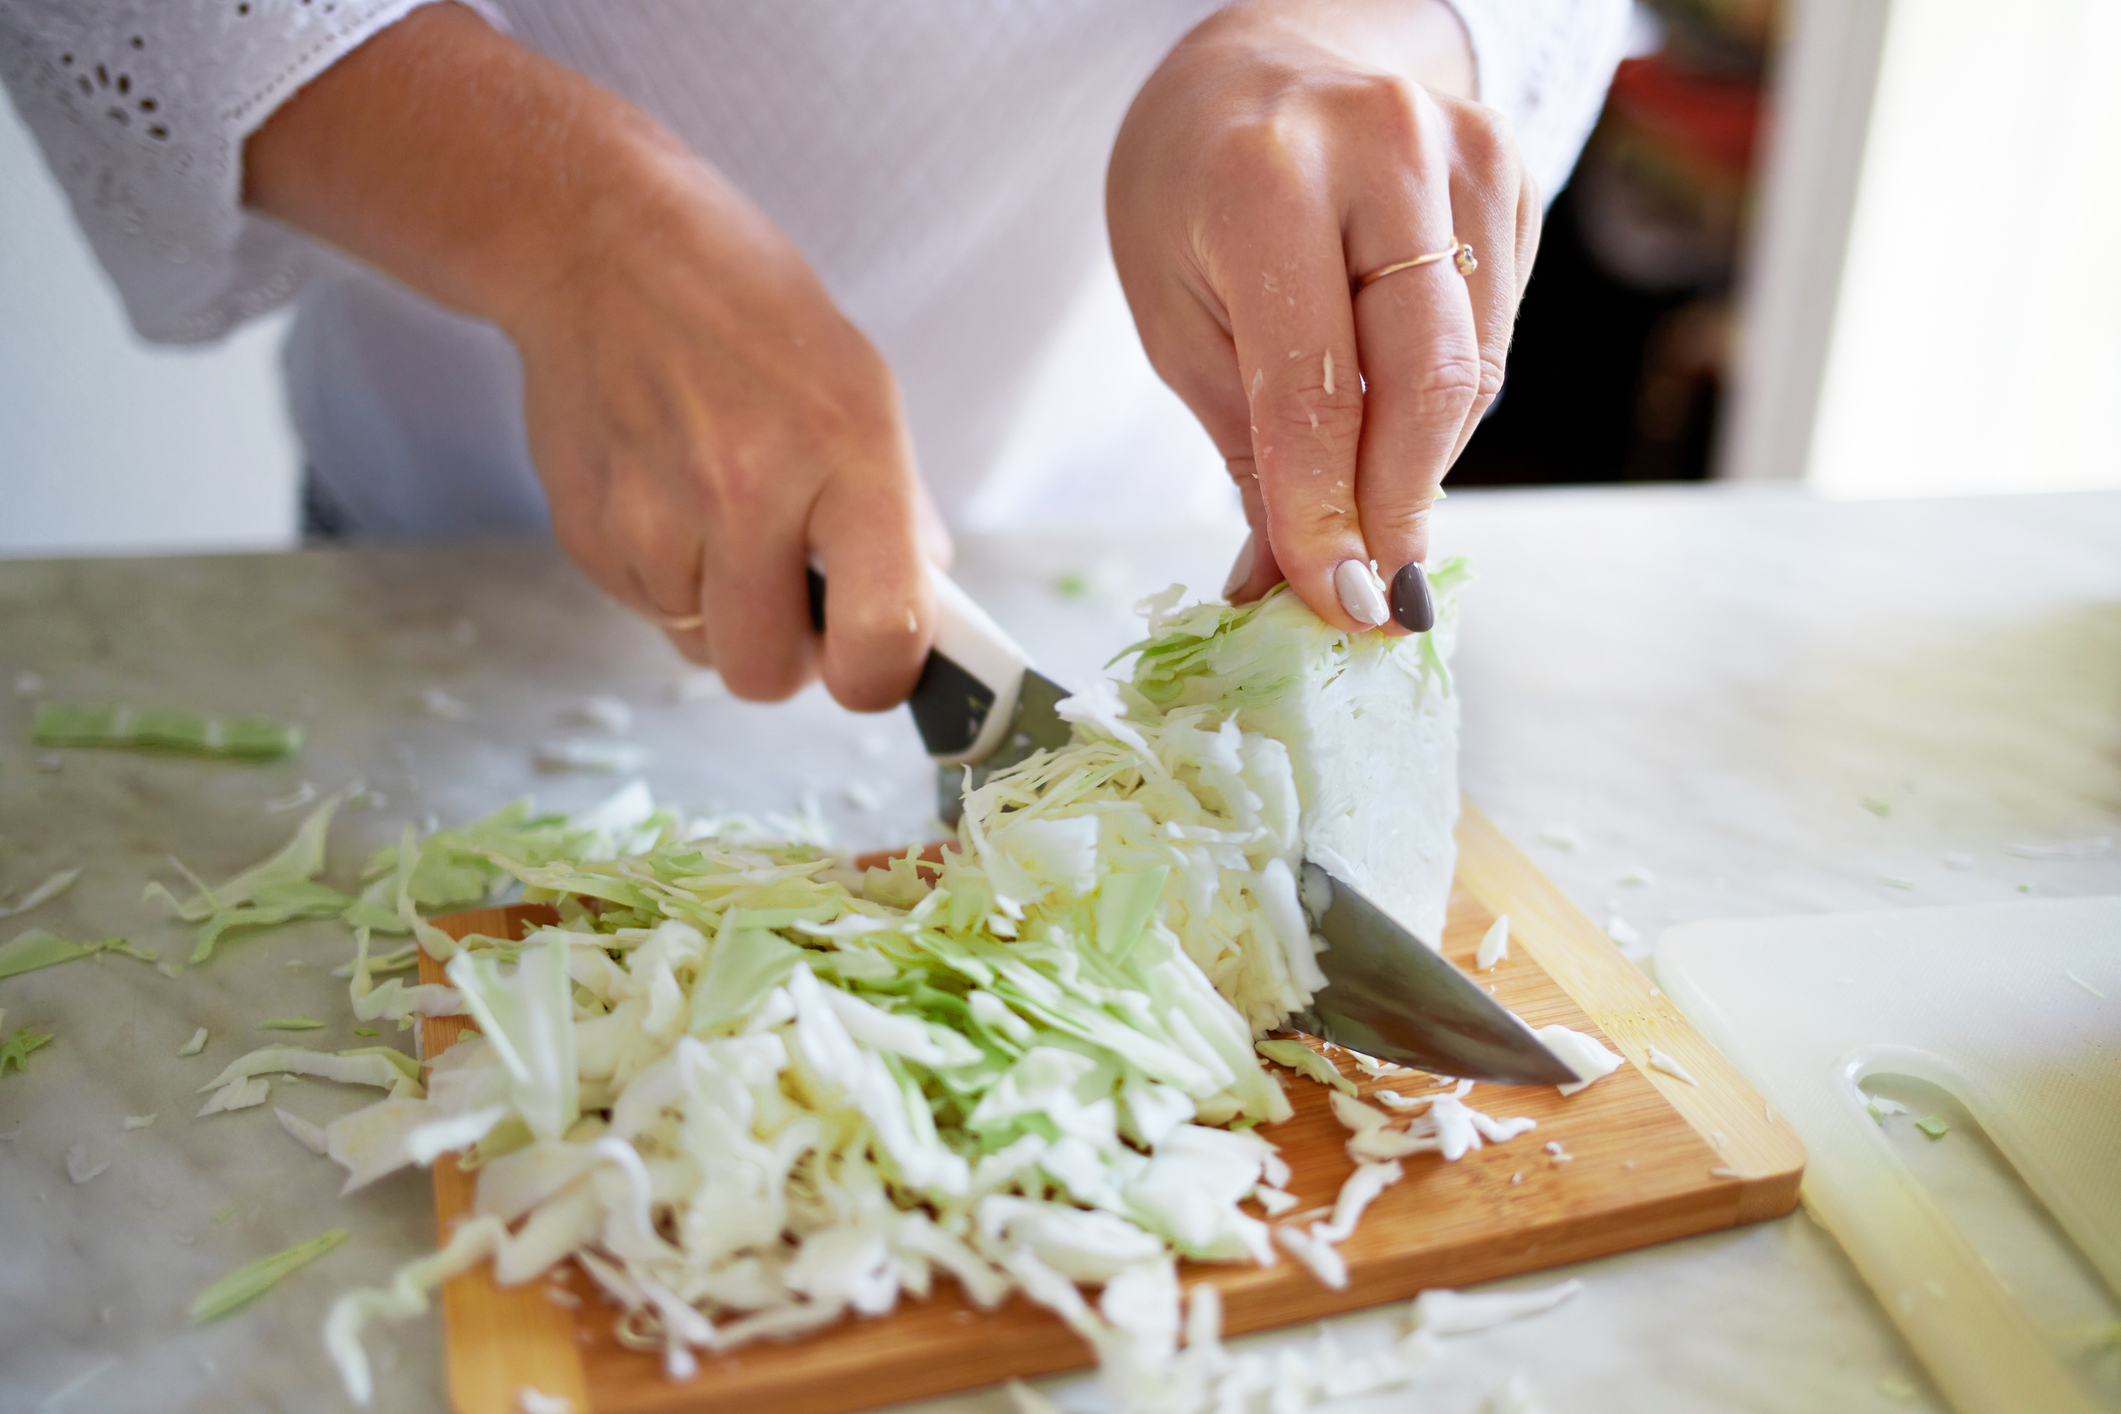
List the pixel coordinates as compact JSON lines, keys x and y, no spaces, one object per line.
{"x":2000,"y":1006}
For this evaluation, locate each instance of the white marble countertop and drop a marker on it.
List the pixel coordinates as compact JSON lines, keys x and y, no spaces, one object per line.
{"x":1706,"y":683}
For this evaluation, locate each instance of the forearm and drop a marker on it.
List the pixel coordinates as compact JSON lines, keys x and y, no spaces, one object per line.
{"x":454,"y":159}
{"x":704,"y":419}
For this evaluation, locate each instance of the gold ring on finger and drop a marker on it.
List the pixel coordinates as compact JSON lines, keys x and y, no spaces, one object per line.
{"x":1460,"y":254}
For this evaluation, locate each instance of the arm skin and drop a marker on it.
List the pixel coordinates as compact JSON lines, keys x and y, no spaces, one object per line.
{"x":1284,"y":147}
{"x":702,"y":416}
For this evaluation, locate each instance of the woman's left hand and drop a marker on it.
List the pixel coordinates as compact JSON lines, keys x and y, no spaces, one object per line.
{"x":1282,"y":149}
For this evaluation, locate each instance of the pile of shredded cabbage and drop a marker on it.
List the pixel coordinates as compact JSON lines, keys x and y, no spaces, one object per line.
{"x":752,"y":1090}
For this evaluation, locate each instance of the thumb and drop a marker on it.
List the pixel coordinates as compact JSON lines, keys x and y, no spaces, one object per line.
{"x":936,"y":541}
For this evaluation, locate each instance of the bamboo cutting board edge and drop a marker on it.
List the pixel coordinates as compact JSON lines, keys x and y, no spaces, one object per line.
{"x":1719,"y":1102}
{"x":1729,"y":1162}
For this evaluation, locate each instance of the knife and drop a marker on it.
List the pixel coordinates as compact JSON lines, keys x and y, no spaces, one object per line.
{"x":980,"y":706}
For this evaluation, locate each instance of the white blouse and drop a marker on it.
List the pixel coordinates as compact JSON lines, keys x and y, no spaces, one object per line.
{"x":940,"y":164}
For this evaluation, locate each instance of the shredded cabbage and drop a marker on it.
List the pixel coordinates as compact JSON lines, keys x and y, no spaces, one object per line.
{"x":282,"y":889}
{"x":246,"y":1284}
{"x":15,"y":1050}
{"x":38,"y":948}
{"x":380,"y":1066}
{"x":1580,"y":1052}
{"x":1494,"y":946}
{"x":80,"y":1168}
{"x":46,"y":891}
{"x":159,"y":729}
{"x":590,"y":753}
{"x":236,"y":1095}
{"x":1444,"y":1312}
{"x":455,"y":868}
{"x":308,"y":1135}
{"x":603,"y":711}
{"x":1444,"y":1124}
{"x":1880,"y":1106}
{"x":393,"y":999}
{"x":1660,"y":1061}
{"x":752,"y":1091}
{"x":1305,"y":1061}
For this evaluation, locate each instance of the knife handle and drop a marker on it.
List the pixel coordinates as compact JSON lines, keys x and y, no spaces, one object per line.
{"x":966,"y":695}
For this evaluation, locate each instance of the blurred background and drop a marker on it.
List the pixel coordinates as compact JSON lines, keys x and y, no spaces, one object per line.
{"x":1866,"y":245}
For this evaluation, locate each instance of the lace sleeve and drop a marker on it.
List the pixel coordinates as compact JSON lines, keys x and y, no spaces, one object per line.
{"x":142,"y":108}
{"x":1546,"y":64}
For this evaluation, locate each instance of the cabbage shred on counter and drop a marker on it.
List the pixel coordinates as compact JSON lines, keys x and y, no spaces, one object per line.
{"x":752,"y":1091}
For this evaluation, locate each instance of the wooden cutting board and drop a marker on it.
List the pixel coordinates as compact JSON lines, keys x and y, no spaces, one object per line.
{"x":1652,"y":1158}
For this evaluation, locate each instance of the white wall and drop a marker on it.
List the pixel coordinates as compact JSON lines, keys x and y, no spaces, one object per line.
{"x":1933,"y":304}
{"x":110,"y":444}
{"x":1977,"y":345}
{"x":1825,"y":76}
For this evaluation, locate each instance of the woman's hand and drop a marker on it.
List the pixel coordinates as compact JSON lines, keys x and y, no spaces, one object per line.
{"x":1282,"y":149}
{"x":703,"y":417}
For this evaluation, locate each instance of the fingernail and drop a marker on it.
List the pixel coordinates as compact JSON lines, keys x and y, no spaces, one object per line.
{"x":1361,"y":592}
{"x":1413,"y":607}
{"x":1241,"y":570}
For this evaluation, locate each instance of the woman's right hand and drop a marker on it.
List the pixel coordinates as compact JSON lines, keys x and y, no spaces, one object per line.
{"x":704,"y":419}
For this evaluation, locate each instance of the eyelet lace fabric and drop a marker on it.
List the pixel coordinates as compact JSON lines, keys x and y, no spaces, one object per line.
{"x":142,"y":107}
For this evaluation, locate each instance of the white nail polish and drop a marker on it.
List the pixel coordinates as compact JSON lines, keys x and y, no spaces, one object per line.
{"x":1361,"y":592}
{"x":1241,"y":570}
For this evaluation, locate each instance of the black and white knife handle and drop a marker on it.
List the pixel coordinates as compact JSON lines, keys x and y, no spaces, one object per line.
{"x":966,"y":696}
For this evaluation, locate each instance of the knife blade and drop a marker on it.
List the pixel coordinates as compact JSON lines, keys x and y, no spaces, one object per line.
{"x":1392,"y":996}
{"x":980,"y":706}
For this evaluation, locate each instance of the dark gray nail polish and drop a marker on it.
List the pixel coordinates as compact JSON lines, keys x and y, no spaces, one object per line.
{"x":1413,"y":607}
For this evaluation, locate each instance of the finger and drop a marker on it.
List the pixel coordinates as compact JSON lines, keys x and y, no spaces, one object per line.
{"x":578,"y":525}
{"x":754,"y":595}
{"x":687,"y":630}
{"x":1294,"y":333}
{"x":936,"y":541}
{"x":1531,"y":219}
{"x":661,"y":546}
{"x":1183,"y":331}
{"x":1524,"y":247}
{"x":1420,"y":350}
{"x":1486,"y":206}
{"x":627,"y":551}
{"x":879,"y":606}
